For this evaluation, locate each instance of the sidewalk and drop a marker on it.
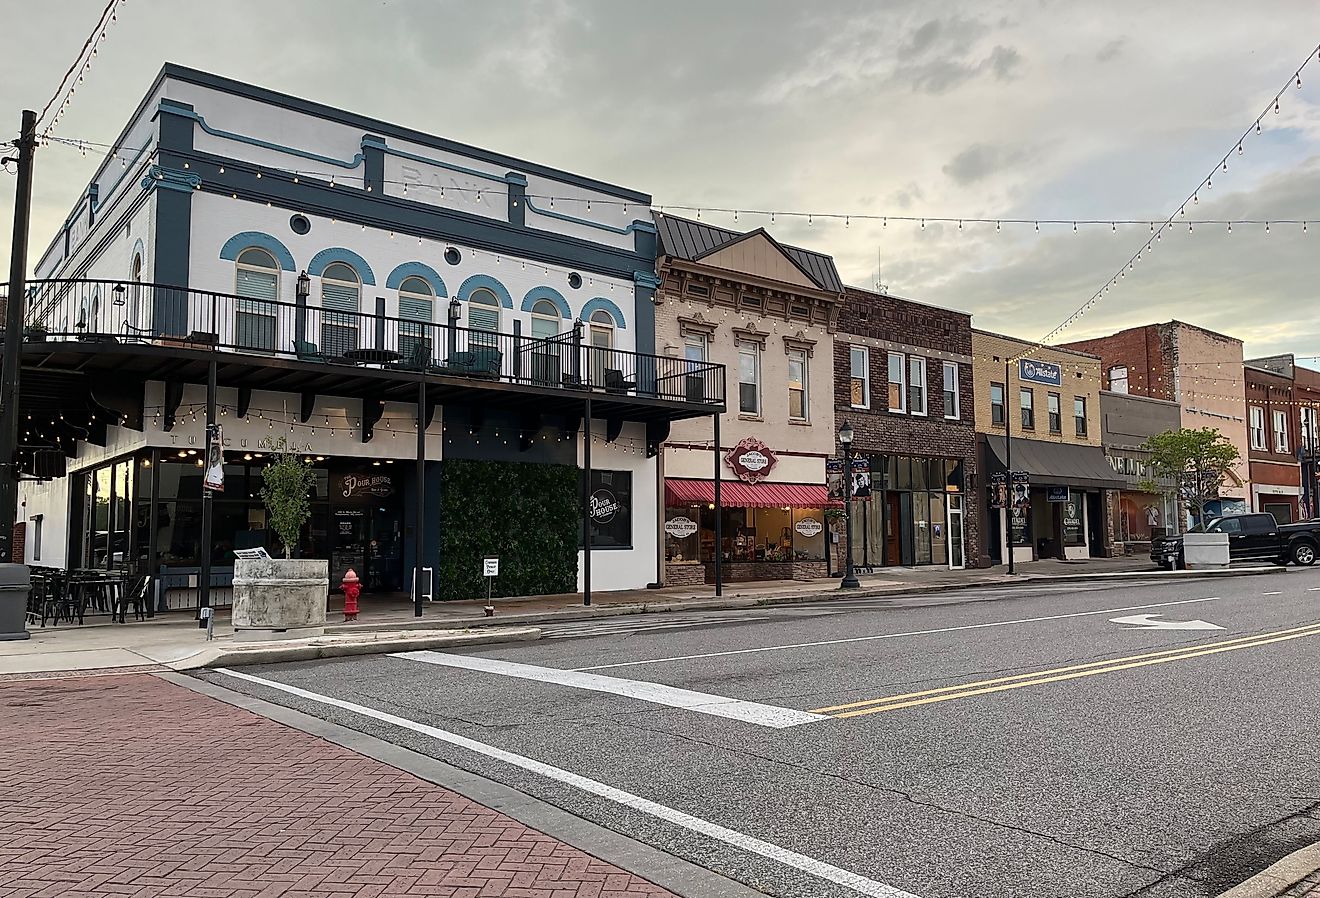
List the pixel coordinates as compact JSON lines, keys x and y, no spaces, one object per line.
{"x":173,"y":641}
{"x":130,"y":785}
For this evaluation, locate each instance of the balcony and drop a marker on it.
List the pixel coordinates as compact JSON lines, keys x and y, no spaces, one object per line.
{"x":128,"y":332}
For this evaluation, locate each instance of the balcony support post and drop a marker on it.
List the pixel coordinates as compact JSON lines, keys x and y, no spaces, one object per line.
{"x":204,"y":577}
{"x":419,"y":524}
{"x":586,"y":502}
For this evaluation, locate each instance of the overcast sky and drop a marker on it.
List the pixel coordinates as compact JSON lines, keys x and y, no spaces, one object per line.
{"x":978,"y":109}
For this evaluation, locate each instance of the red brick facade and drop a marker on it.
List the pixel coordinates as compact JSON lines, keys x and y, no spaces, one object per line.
{"x":883,"y":324}
{"x":1148,"y":354}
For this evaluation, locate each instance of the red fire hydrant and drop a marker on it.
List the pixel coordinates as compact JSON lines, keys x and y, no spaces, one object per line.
{"x":352,"y":589}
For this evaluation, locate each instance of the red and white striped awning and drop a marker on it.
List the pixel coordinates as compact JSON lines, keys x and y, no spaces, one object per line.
{"x":748,"y":495}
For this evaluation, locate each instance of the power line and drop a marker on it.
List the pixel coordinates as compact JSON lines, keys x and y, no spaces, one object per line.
{"x":85,"y":57}
{"x":1193,"y":198}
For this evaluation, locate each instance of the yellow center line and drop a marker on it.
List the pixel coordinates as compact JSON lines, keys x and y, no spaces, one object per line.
{"x":1064,"y":673}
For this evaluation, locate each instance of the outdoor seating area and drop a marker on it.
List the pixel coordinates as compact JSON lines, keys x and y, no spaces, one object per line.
{"x":70,"y":597}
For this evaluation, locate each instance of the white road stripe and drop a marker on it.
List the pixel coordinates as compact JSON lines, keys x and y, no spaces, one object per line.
{"x":804,"y":645}
{"x":1271,"y":593}
{"x":819,"y":869}
{"x":656,"y":693}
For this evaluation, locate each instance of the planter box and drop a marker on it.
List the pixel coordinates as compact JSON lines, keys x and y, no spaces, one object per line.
{"x":279,"y":598}
{"x":1203,"y":551}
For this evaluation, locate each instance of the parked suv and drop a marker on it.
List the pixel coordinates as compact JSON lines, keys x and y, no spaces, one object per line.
{"x":1251,"y":537}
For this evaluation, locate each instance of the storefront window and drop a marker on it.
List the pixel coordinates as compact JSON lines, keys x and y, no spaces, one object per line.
{"x":939,"y":537}
{"x":809,"y":534}
{"x":682,"y":533}
{"x":611,"y":509}
{"x":1073,"y":519}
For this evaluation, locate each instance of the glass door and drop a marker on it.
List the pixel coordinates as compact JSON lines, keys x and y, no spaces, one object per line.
{"x":957,"y":561}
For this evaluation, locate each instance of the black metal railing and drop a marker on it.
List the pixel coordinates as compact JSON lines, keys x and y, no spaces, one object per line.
{"x":117,"y":312}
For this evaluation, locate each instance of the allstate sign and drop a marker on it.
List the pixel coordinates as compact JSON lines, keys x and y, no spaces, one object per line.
{"x":1040,"y":372}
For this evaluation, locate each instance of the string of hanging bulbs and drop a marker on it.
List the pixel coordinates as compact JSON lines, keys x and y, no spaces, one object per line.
{"x":78,"y":70}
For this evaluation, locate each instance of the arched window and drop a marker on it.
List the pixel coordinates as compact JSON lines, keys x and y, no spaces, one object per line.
{"x":545,"y":355}
{"x":135,"y":292}
{"x":341,"y":300}
{"x":545,"y":319}
{"x":417,"y":309}
{"x":601,"y":339}
{"x":257,"y":283}
{"x":483,"y":317}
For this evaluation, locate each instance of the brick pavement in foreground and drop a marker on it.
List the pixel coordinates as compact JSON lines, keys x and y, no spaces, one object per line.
{"x":132,"y":786}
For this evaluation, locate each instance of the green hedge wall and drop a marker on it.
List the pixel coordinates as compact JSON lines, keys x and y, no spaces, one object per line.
{"x":527,"y":514}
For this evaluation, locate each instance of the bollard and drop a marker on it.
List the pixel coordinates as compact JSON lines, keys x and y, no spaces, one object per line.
{"x":208,"y":618}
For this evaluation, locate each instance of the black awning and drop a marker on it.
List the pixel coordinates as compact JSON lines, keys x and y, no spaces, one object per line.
{"x":1055,"y":464}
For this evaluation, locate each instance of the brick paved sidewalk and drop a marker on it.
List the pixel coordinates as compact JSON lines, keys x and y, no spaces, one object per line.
{"x":132,"y":786}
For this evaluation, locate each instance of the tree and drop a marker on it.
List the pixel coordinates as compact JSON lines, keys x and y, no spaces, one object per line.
{"x":1197,"y":461}
{"x":287,"y":494}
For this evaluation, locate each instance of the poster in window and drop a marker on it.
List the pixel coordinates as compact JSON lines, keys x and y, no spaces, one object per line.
{"x":1072,"y":520}
{"x":609,"y":499}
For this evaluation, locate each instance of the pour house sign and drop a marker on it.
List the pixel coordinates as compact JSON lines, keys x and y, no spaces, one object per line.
{"x":751,"y":460}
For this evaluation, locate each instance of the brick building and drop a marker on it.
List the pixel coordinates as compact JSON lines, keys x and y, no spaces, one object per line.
{"x":1284,"y":472}
{"x":767,"y":311}
{"x":1197,"y":368}
{"x":1045,"y":402}
{"x":1127,"y":421}
{"x":903,"y":380}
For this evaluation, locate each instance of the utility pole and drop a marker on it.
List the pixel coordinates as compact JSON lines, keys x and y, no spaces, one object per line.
{"x":13,"y":346}
{"x":1010,"y":491}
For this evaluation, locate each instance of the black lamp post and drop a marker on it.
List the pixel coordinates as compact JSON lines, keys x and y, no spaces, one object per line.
{"x":849,"y":580}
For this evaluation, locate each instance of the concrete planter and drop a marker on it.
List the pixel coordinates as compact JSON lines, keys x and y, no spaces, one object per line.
{"x":1202,"y":551}
{"x":279,"y":598}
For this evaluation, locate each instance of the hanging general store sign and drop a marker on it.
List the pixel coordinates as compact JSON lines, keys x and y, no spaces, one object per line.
{"x":751,"y":460}
{"x":1040,"y":372}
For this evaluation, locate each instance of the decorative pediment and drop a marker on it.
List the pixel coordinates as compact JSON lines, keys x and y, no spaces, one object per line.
{"x":756,"y":254}
{"x":800,"y":342}
{"x":696,"y":326}
{"x":750,"y":334}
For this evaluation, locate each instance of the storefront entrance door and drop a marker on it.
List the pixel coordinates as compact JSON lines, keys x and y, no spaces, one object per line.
{"x":348,"y":543}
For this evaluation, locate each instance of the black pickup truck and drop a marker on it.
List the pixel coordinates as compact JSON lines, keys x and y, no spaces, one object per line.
{"x":1251,"y":537}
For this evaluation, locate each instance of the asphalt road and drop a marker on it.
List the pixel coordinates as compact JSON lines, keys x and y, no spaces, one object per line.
{"x":1011,"y":742}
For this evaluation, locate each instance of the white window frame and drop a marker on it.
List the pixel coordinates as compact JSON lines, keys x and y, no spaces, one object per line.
{"x":255,"y":306}
{"x":699,"y":342}
{"x":951,"y":391}
{"x":1055,"y":414}
{"x":1308,"y":422}
{"x":1257,"y":428}
{"x":545,"y":319}
{"x":1280,"y":431}
{"x":901,"y":382}
{"x":1084,"y":418}
{"x":1122,"y":378}
{"x":917,"y":386}
{"x":865,"y":357}
{"x":753,"y":350}
{"x":1003,"y":404}
{"x":799,"y":356}
{"x":1026,"y":403}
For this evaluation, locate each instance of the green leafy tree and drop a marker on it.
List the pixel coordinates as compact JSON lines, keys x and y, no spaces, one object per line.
{"x":1196,"y":460}
{"x":287,"y":494}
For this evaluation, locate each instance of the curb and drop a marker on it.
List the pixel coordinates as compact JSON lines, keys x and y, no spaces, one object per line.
{"x":679,"y":876}
{"x":1280,"y":877}
{"x":338,"y":645}
{"x":739,"y":603}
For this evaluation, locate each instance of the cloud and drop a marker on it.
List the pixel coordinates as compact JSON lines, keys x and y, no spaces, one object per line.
{"x":981,"y":160}
{"x":1110,"y":50}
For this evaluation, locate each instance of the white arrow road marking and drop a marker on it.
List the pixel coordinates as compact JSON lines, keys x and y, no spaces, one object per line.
{"x":1148,"y":622}
{"x":828,"y":872}
{"x":656,"y":693}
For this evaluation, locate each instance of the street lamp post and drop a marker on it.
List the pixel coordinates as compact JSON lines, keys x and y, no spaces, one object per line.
{"x":849,"y":580}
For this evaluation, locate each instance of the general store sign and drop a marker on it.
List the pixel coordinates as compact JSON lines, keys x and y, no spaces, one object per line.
{"x":1040,"y":372}
{"x":680,"y":527}
{"x":809,"y":527}
{"x":751,"y":460}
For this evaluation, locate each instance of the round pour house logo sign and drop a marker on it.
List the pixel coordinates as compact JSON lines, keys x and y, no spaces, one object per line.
{"x":751,"y":460}
{"x":680,"y":527}
{"x":809,"y":527}
{"x":603,"y":506}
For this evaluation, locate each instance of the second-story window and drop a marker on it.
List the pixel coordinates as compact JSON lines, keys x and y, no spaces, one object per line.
{"x":749,"y":379}
{"x":997,"y":414}
{"x":1118,"y":379}
{"x":341,"y":298}
{"x":916,"y":385}
{"x":545,"y":352}
{"x":1055,"y":413}
{"x":952,"y":403}
{"x":1257,"y":428}
{"x":416,"y":311}
{"x":1309,"y":426}
{"x":1027,"y":403}
{"x":897,"y":382}
{"x":797,"y":384}
{"x":695,"y":347}
{"x":859,"y":366}
{"x":483,"y":317}
{"x":258,"y":286}
{"x":1079,"y":415}
{"x":1280,"y":432}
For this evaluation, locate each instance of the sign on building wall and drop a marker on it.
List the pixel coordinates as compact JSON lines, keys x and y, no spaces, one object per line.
{"x":1040,"y":372}
{"x":680,"y":527}
{"x":751,"y":460}
{"x":364,"y":486}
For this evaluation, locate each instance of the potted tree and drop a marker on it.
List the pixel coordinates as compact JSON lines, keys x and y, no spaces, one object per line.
{"x":282,"y":598}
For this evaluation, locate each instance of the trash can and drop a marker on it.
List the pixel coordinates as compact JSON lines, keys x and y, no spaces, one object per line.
{"x":15,"y":584}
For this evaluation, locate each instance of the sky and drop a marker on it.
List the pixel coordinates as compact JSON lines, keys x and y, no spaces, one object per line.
{"x":1028,"y":109}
